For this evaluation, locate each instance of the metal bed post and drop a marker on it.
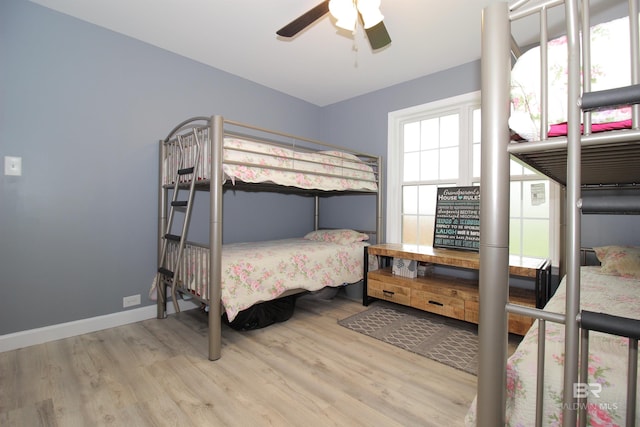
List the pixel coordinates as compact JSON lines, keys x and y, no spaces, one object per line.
{"x":494,"y":215}
{"x":216,"y":138}
{"x":544,"y":76}
{"x":161,"y":299}
{"x":316,"y":212}
{"x":574,"y":161}
{"x":586,"y":62}
{"x":562,"y":233}
{"x":635,"y":60}
{"x":380,"y":237}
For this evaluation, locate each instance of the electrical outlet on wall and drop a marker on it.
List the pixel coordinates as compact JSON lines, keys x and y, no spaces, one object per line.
{"x":131,"y":301}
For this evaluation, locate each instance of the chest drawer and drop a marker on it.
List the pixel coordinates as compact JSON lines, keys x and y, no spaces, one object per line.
{"x":389,"y":291}
{"x":436,"y":303}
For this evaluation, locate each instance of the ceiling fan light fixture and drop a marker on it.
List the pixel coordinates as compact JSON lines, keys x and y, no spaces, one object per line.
{"x":370,"y":11}
{"x":345,"y":13}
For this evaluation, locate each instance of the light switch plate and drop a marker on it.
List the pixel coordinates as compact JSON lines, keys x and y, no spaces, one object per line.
{"x":12,"y":165}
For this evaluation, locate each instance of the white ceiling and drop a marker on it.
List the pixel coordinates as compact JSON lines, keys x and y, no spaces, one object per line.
{"x":321,"y":65}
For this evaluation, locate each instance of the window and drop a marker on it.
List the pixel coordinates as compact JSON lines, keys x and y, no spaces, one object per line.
{"x":438,"y":144}
{"x":529,"y":212}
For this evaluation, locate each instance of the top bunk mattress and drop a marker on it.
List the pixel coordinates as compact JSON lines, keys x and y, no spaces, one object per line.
{"x":254,"y":162}
{"x":257,"y":162}
{"x":610,"y":68}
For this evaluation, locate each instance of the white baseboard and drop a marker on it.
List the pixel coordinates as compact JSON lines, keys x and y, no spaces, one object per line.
{"x":78,"y":327}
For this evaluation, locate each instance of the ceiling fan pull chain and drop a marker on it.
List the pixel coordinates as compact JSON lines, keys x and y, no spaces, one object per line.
{"x":355,"y":49}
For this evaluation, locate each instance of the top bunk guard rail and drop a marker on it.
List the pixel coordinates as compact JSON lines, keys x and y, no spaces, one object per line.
{"x":291,"y":137}
{"x":611,"y":97}
{"x":189,"y":130}
{"x":191,"y":123}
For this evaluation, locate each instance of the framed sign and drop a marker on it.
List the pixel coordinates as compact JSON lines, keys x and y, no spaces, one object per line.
{"x":457,"y":223}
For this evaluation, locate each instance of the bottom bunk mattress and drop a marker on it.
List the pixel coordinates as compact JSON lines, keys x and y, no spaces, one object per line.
{"x":262,"y":271}
{"x":608,"y":358}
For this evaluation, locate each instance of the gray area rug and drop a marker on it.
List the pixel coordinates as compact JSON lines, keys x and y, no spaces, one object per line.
{"x":445,"y":340}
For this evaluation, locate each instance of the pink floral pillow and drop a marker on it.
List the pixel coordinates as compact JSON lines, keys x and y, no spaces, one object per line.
{"x":619,"y":260}
{"x":341,"y":236}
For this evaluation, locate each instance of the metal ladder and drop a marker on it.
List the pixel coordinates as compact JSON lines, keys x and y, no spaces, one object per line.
{"x":165,"y":275}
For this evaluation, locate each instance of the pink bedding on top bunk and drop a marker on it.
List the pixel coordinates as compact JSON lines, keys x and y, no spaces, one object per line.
{"x":607,"y":357}
{"x":610,"y":68}
{"x":262,"y":271}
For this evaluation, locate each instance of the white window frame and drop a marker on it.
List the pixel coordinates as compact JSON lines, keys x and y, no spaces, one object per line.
{"x":395,"y":121}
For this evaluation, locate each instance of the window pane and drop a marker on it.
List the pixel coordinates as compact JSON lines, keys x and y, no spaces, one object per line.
{"x":535,"y":238}
{"x":449,"y":163}
{"x":426,"y":230}
{"x":476,"y":150}
{"x":411,"y":167}
{"x":476,"y":160}
{"x":476,"y":121}
{"x":410,"y":199}
{"x":430,"y":137}
{"x":427,"y":196}
{"x":515,"y":239}
{"x":409,"y":229}
{"x":411,"y":137}
{"x":449,"y":131}
{"x":515,"y":199}
{"x":429,"y":162}
{"x":515,"y":168}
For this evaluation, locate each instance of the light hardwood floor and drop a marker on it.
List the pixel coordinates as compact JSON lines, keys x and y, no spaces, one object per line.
{"x":308,"y":371}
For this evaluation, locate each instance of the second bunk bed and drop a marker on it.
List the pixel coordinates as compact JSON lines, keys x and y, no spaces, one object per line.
{"x":581,"y":369}
{"x":215,"y":154}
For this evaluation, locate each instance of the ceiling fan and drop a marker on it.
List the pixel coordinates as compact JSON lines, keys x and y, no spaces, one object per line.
{"x":347,"y":13}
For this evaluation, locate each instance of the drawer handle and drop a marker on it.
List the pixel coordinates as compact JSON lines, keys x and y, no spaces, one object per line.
{"x":436,"y":303}
{"x":388,"y":294}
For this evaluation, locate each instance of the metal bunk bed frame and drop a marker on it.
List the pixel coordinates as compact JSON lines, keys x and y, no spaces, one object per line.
{"x":577,"y":162}
{"x":218,"y":128}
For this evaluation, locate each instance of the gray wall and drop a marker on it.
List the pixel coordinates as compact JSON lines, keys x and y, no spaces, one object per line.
{"x":84,"y":107}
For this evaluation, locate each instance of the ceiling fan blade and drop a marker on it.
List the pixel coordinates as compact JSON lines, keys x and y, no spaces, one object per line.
{"x":378,"y":36}
{"x":302,"y":22}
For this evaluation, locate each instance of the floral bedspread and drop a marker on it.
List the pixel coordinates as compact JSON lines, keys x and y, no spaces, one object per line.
{"x":261,"y":271}
{"x":257,"y":162}
{"x":607,"y":358}
{"x":610,"y":65}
